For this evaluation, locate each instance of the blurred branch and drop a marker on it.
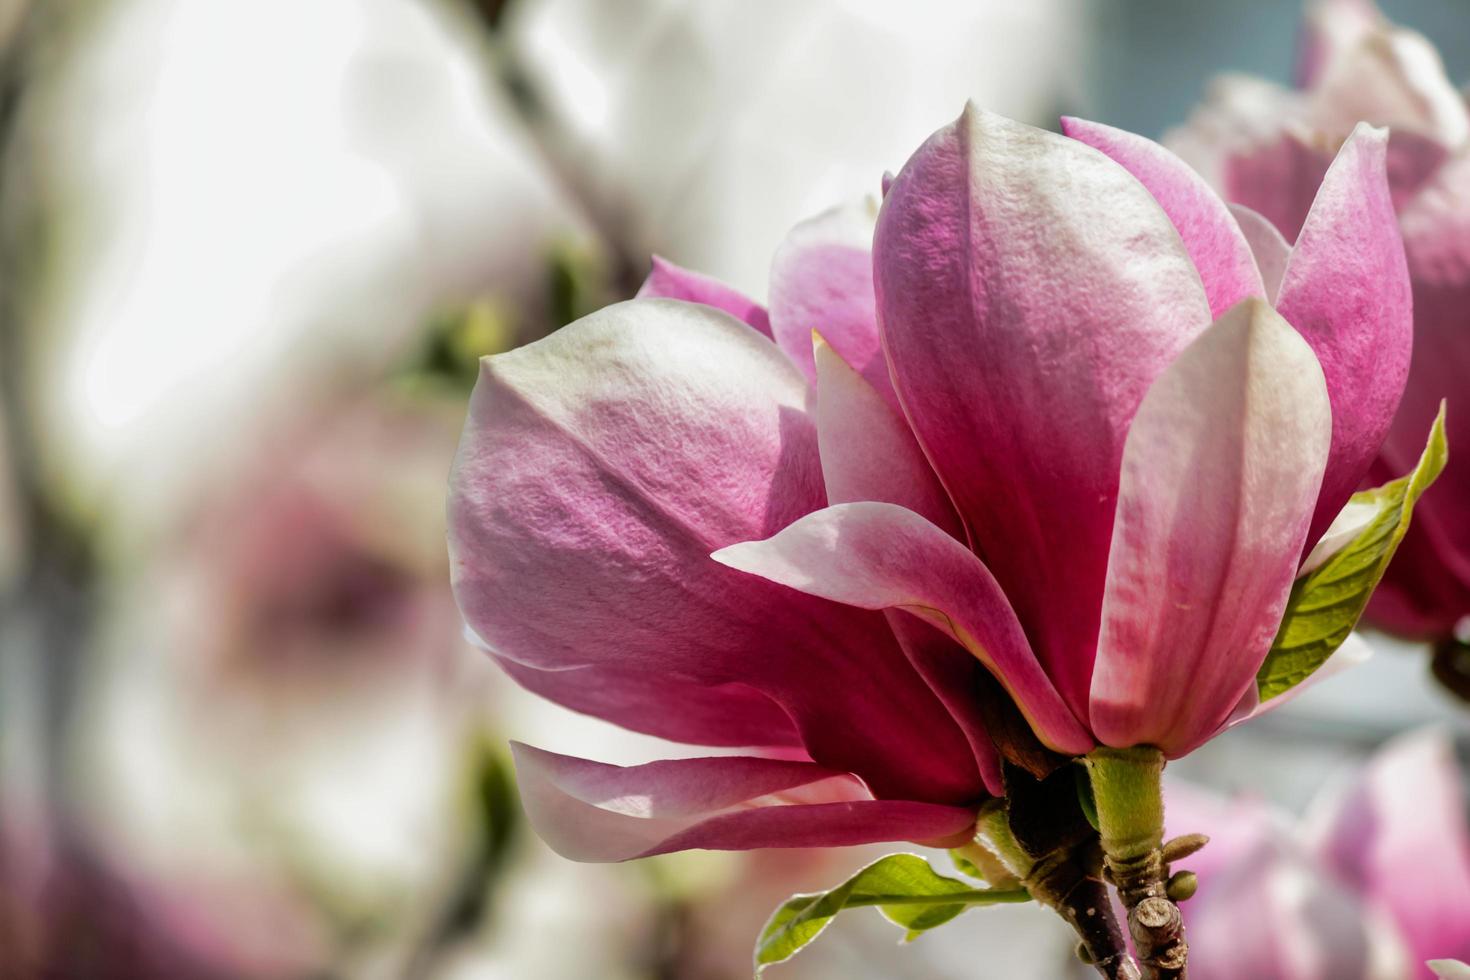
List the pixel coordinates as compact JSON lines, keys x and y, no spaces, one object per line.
{"x":627,"y":263}
{"x":51,"y":598}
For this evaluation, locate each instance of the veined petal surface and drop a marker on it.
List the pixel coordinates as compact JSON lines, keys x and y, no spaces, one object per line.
{"x":599,"y":469}
{"x":1029,"y":291}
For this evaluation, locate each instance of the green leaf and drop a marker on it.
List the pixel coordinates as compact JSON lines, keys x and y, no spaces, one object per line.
{"x":1325,"y":605}
{"x":965,"y":865}
{"x":905,"y":889}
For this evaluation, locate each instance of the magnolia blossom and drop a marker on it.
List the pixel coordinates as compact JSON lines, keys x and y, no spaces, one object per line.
{"x":1083,"y":453}
{"x":1374,"y":883}
{"x":1266,"y":147}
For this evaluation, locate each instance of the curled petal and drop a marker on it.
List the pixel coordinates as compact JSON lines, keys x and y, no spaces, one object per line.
{"x":1269,"y":248}
{"x":879,"y":556}
{"x":822,"y":281}
{"x":1214,"y":241}
{"x":1220,"y":474}
{"x":1399,"y":835}
{"x":1029,"y":291}
{"x":668,"y":281}
{"x":598,"y":470}
{"x":1346,"y":289}
{"x":589,"y":811}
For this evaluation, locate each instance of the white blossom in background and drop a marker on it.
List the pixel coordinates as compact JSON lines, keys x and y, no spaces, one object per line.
{"x":249,"y":194}
{"x":701,"y":129}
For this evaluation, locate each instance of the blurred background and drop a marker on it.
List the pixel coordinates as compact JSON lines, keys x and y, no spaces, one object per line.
{"x":250,"y":251}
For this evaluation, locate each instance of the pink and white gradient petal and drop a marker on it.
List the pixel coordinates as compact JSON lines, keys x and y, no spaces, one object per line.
{"x":669,"y":281}
{"x":1029,"y":291}
{"x":1346,"y":289}
{"x":590,"y":811}
{"x":1221,"y":469}
{"x":880,"y":556}
{"x":822,"y":281}
{"x":1220,"y":252}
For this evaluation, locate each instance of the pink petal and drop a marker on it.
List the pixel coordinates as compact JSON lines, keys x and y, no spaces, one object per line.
{"x":951,"y":672}
{"x":1214,"y":241}
{"x":668,"y":281}
{"x":1220,"y":473}
{"x":1330,"y":30}
{"x":1030,"y":290}
{"x":1302,"y":925}
{"x":1346,"y":288}
{"x":1278,"y":176}
{"x":1269,"y":248}
{"x":822,"y":281}
{"x":1427,"y":588}
{"x":1237,"y":828}
{"x":1425,"y":593}
{"x":601,"y":466}
{"x":709,"y":714}
{"x":879,"y":556}
{"x":588,"y":811}
{"x":868,"y":451}
{"x":1400,"y":836}
{"x":1393,"y":77}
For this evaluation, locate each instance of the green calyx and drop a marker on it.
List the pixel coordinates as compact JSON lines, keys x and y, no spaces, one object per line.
{"x":1128,"y":793}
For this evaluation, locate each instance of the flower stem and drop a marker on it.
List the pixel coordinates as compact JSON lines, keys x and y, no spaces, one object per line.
{"x":1130,"y":811}
{"x":1060,"y":881}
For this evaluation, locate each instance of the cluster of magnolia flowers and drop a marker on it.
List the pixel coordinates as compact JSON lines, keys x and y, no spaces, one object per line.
{"x":1044,"y":472}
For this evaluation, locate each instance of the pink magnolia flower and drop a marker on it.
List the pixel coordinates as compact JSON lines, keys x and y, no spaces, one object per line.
{"x":1372,"y":885}
{"x":1083,"y":452}
{"x":1266,"y":147}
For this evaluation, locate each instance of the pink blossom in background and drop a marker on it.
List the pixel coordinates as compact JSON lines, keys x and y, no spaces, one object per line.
{"x":1082,"y":451}
{"x":1266,"y":147}
{"x":1372,"y":885}
{"x":280,"y":707}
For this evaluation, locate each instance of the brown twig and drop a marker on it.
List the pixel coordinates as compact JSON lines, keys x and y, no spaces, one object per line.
{"x":1041,"y":834}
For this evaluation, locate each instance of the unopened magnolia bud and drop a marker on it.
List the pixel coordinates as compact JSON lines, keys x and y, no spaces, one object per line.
{"x":1181,"y":886}
{"x":1183,"y":846}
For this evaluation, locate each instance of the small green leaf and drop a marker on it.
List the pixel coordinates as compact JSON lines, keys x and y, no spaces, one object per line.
{"x":965,"y":865}
{"x":905,"y":889}
{"x":1325,"y":605}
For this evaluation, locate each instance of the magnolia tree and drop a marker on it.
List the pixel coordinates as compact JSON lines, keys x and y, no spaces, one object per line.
{"x":1033,"y":478}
